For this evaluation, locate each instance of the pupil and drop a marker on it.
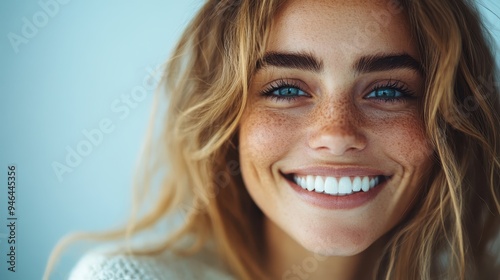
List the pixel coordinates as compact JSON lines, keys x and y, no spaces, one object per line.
{"x":388,"y":93}
{"x":287,"y":91}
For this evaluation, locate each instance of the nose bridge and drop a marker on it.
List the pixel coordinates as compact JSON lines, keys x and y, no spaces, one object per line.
{"x":335,"y":127}
{"x":336,"y":115}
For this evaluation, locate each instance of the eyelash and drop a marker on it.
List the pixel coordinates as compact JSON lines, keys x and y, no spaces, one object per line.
{"x":280,"y":84}
{"x":406,"y":93}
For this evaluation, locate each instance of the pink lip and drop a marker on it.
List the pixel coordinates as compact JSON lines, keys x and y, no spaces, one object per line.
{"x":331,"y":202}
{"x":335,"y":171}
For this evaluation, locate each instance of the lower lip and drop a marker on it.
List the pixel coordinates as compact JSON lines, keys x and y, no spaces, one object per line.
{"x":344,"y":202}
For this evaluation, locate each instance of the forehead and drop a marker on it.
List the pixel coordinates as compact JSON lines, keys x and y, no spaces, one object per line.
{"x":342,"y":29}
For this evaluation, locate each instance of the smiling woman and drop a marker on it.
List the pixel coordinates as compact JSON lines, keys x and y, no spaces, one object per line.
{"x":332,"y":143}
{"x":323,"y":140}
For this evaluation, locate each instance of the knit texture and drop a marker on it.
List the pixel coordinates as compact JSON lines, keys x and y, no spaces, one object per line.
{"x":101,"y":266}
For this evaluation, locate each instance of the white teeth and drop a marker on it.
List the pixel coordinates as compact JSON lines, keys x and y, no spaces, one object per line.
{"x":336,"y":186}
{"x":300,"y":181}
{"x":356,"y":184}
{"x":318,"y":184}
{"x":331,"y":185}
{"x":345,"y":185}
{"x":365,"y":184}
{"x":310,"y":183}
{"x":372,"y":183}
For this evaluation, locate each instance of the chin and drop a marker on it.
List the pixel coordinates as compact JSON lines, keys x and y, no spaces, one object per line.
{"x":335,"y":245}
{"x":333,"y":237}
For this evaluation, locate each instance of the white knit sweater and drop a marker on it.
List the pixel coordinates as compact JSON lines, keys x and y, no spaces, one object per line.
{"x":101,"y":266}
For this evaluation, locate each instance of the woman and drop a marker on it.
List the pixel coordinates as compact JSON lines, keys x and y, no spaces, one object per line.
{"x":324,"y":140}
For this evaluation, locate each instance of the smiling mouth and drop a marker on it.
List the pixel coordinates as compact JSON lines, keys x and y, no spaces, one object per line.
{"x":337,"y":186}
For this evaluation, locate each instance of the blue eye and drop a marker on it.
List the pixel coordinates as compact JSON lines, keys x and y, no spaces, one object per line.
{"x":284,"y":90}
{"x":392,"y":91}
{"x":288,"y":91}
{"x":386,"y":93}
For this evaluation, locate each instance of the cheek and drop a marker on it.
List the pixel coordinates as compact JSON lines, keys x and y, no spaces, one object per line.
{"x":403,"y":139}
{"x":265,"y":137}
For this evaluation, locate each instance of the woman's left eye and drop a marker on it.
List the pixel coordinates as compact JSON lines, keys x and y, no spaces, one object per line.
{"x":390,"y":93}
{"x":385,"y":93}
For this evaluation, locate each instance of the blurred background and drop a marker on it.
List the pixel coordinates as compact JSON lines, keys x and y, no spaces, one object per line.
{"x":76,"y":83}
{"x":74,"y":73}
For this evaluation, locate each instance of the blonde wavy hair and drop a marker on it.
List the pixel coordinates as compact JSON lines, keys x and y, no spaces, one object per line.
{"x":194,"y":148}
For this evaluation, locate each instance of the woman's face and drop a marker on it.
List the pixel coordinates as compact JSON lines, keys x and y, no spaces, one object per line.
{"x":332,"y":145}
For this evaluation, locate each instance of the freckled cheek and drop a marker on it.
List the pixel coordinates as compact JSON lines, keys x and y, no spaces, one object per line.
{"x":265,"y":137}
{"x":403,"y":139}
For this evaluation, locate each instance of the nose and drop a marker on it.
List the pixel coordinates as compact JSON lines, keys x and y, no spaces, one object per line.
{"x":336,"y":131}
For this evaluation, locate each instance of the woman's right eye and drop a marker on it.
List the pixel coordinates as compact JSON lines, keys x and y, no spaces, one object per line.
{"x":288,"y":92}
{"x":282,"y":90}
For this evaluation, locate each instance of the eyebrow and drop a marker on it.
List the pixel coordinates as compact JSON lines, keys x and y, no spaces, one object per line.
{"x":295,"y":60}
{"x":365,"y":64}
{"x":385,"y":62}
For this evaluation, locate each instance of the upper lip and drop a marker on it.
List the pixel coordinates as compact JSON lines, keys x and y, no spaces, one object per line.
{"x":335,"y":171}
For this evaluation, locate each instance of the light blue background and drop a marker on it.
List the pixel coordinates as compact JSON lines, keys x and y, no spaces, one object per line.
{"x":65,"y":80}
